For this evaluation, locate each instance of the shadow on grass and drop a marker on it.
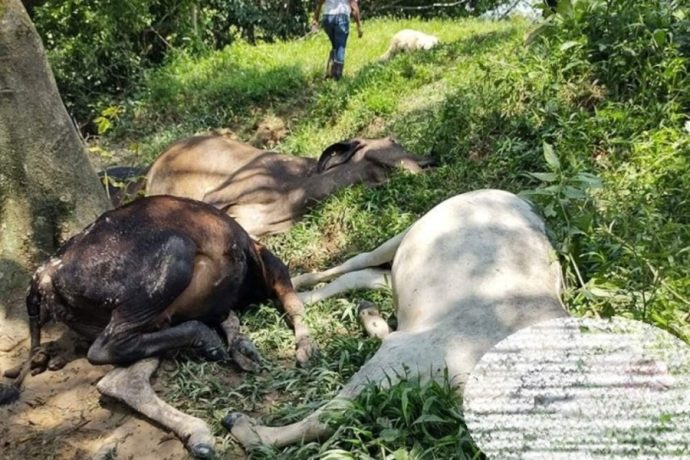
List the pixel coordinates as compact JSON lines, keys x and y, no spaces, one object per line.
{"x":214,"y":101}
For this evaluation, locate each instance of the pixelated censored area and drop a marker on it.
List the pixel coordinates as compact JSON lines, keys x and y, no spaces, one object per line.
{"x":580,"y":388}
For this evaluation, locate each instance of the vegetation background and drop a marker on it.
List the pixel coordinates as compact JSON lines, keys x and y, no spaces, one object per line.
{"x":587,"y":113}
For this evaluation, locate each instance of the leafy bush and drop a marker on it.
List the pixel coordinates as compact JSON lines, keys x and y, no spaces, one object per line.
{"x":626,"y":242}
{"x":637,"y":49}
{"x":427,"y":9}
{"x":98,"y":48}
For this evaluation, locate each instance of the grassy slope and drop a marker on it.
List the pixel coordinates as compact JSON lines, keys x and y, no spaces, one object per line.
{"x":483,"y":106}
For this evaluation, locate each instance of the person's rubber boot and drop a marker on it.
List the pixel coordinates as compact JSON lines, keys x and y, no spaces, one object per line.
{"x":329,"y":69}
{"x":337,"y":71}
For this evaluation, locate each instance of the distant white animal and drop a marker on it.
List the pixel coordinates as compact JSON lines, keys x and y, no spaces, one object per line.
{"x":472,"y":271}
{"x":410,"y":40}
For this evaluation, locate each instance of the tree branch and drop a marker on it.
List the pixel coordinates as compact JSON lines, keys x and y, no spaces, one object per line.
{"x":421,"y":7}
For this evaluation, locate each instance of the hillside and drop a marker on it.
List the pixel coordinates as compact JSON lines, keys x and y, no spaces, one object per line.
{"x":600,"y":144}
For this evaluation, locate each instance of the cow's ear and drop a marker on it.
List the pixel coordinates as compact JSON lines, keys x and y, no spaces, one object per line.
{"x":337,"y":154}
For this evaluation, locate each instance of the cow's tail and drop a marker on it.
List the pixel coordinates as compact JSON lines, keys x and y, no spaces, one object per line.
{"x":10,"y":392}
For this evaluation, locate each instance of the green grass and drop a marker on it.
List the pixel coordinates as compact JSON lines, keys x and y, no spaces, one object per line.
{"x":612,"y":181}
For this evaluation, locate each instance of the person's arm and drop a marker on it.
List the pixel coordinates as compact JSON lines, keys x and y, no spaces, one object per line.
{"x":354,"y":7}
{"x":317,"y":14}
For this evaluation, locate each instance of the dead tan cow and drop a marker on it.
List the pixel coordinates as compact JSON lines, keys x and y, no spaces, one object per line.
{"x":469,"y":273}
{"x":409,"y":40}
{"x":267,"y":192}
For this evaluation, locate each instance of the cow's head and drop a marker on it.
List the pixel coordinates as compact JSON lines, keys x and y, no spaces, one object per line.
{"x":385,"y":153}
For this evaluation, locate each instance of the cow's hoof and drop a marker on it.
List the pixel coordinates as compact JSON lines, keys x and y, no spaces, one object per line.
{"x":245,"y":355}
{"x":230,"y":419}
{"x":244,"y":429}
{"x":8,"y":394}
{"x":304,"y":280}
{"x":39,"y":361}
{"x":214,"y":354}
{"x":306,"y":349}
{"x":202,"y":451}
{"x":371,"y":320}
{"x":56,"y":363}
{"x":366,"y":305}
{"x":14,"y":372}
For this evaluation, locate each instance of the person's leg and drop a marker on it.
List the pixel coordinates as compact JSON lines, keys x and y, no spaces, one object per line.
{"x":329,"y":66}
{"x":341,"y":32}
{"x":329,"y":25}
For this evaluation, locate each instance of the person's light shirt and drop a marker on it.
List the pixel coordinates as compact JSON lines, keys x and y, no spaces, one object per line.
{"x":336,"y":7}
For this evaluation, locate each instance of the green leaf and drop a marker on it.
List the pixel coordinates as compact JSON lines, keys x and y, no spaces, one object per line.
{"x":544,"y":176}
{"x":569,"y":44}
{"x":589,"y":179}
{"x":550,"y":211}
{"x":659,"y":37}
{"x":574,"y":193}
{"x":401,"y":454}
{"x":599,"y":292}
{"x":550,"y":157}
{"x":430,"y":418}
{"x":538,"y":31}
{"x":102,"y":124}
{"x":389,"y":434}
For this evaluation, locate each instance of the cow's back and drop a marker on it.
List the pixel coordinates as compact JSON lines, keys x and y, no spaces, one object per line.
{"x":195,"y":166}
{"x":473,"y":270}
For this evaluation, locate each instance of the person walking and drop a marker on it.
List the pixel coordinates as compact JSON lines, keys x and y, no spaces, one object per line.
{"x":336,"y":24}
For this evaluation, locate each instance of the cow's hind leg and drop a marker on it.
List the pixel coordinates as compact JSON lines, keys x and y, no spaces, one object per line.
{"x":402,"y":355}
{"x":130,"y":346}
{"x":131,"y":386}
{"x":379,"y":256}
{"x":250,"y":433}
{"x":163,"y":277}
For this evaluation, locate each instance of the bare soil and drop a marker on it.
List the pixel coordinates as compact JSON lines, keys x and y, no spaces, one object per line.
{"x":61,"y":415}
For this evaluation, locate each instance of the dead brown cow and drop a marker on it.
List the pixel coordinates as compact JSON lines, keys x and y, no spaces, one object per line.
{"x":267,"y":192}
{"x":158,"y":274}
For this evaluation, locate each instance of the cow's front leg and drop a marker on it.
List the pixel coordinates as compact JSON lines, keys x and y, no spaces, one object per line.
{"x":305,"y":347}
{"x":46,"y":357}
{"x":277,"y":281}
{"x":131,"y":386}
{"x":382,"y":255}
{"x":369,"y":278}
{"x":242,"y":350}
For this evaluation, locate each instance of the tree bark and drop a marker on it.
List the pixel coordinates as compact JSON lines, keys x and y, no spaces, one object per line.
{"x":48,"y":188}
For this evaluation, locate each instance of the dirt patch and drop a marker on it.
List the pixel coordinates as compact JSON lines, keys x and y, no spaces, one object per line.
{"x":269,"y":132}
{"x":61,"y":415}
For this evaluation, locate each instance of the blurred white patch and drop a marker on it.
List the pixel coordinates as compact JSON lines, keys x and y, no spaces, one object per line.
{"x":582,"y":388}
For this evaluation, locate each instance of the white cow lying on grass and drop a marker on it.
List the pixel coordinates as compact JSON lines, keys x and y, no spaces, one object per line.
{"x":409,"y":40}
{"x":468,"y":274}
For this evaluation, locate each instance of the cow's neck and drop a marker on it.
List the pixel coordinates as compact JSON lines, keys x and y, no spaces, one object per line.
{"x":318,"y":186}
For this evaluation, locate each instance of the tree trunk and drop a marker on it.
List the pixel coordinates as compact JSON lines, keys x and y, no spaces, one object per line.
{"x":48,"y":188}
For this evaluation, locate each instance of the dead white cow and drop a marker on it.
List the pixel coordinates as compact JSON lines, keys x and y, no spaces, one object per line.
{"x":409,"y":40}
{"x":468,"y":274}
